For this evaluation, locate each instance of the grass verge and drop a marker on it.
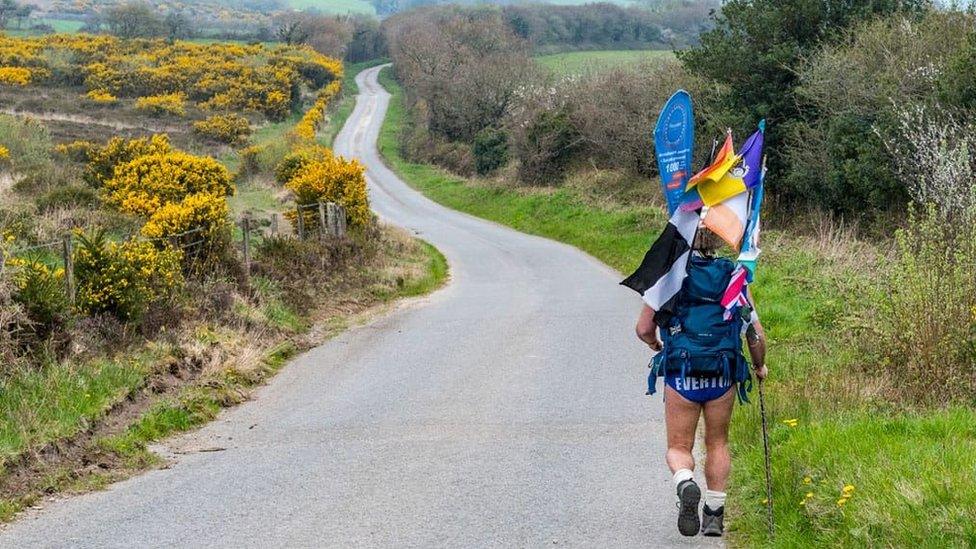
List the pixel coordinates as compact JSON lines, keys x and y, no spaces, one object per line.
{"x":910,"y":472}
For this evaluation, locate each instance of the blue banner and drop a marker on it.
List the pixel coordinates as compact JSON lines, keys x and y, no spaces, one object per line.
{"x":674,"y":139}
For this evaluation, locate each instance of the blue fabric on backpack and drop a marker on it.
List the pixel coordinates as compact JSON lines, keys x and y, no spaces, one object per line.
{"x":698,"y":340}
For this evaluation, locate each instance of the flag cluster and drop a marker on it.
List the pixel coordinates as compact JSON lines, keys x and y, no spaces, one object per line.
{"x":724,"y":198}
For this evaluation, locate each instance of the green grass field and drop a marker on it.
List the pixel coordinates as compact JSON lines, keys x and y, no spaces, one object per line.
{"x":911,"y":472}
{"x":334,"y":6}
{"x":59,"y":25}
{"x":579,"y":61}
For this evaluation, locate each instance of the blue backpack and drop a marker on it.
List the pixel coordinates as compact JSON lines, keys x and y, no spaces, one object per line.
{"x":698,"y":341}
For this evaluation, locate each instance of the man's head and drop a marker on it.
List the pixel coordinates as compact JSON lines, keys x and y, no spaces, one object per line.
{"x":706,"y":242}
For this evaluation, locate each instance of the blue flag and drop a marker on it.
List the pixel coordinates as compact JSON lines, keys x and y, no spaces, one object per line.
{"x":674,"y":139}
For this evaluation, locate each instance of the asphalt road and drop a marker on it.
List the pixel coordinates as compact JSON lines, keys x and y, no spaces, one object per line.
{"x":505,"y":410}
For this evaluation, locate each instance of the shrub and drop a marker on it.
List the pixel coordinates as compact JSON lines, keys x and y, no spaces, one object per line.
{"x":334,"y":179}
{"x":123,"y":279}
{"x":927,"y":313}
{"x":103,"y":161}
{"x":4,"y":155}
{"x":28,"y":145}
{"x":159,"y":105}
{"x":102,"y":97}
{"x":204,"y":211}
{"x":549,"y":145}
{"x":13,"y":325}
{"x":490,"y":150}
{"x":232,"y":129}
{"x":77,"y":151}
{"x":70,"y":196}
{"x":297,"y":159}
{"x":40,"y":290}
{"x":297,"y":265}
{"x":147,"y":183}
{"x":250,"y":161}
{"x":15,"y":76}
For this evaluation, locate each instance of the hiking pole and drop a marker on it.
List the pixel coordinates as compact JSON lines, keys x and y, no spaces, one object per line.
{"x":769,"y":478}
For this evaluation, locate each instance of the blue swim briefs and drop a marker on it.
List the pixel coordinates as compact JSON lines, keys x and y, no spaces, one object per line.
{"x":698,"y":389}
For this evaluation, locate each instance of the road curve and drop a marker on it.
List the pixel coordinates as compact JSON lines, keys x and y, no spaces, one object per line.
{"x":505,"y":410}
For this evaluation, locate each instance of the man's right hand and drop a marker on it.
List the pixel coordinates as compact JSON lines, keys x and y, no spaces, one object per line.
{"x":761,"y":372}
{"x":656,"y":345}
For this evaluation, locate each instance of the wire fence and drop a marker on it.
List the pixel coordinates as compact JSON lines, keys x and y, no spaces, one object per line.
{"x":322,"y":220}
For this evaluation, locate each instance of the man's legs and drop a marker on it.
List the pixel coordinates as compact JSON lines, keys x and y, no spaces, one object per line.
{"x":681,"y":418}
{"x":718,"y":414}
{"x":718,"y":461}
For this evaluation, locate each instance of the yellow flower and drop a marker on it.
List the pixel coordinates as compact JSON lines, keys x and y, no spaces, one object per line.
{"x":841,"y":502}
{"x":807,"y":480}
{"x":15,"y":76}
{"x":791,"y":422}
{"x":848,"y":489}
{"x":809,"y":495}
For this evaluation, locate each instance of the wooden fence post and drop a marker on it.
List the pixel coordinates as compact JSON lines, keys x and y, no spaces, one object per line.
{"x":301,"y":223}
{"x":69,"y":268}
{"x":246,"y":225}
{"x":333,"y":226}
{"x":322,"y":220}
{"x":342,"y":221}
{"x":274,"y":224}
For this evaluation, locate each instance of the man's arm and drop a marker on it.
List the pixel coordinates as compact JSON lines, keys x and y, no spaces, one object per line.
{"x":647,"y":329}
{"x":756,"y":340}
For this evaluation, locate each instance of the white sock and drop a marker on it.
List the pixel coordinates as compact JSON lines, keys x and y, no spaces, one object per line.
{"x":682,"y":475}
{"x":714,"y":500}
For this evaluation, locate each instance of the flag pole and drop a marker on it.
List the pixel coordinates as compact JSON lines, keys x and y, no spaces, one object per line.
{"x":769,"y":478}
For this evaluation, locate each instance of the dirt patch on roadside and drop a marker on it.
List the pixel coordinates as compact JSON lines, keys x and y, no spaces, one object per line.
{"x":47,"y":470}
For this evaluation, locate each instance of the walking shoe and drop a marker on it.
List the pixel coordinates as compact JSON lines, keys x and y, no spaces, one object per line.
{"x":689,"y":494}
{"x":712,"y":521}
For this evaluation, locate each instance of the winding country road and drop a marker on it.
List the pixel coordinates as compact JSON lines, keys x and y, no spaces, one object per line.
{"x":505,"y":410}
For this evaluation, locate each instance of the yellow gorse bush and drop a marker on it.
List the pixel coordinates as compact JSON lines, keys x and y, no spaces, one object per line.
{"x":102,"y":161}
{"x":149,"y":182}
{"x":313,"y":118}
{"x":15,"y":76}
{"x":102,"y":97}
{"x":232,"y":129}
{"x":4,"y":153}
{"x":204,"y":211}
{"x":168,"y":103}
{"x":123,"y":278}
{"x":333,"y":179}
{"x":297,"y":159}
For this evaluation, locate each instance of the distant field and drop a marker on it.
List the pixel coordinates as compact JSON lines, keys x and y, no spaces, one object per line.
{"x":59,"y":25}
{"x":334,"y":6}
{"x":578,"y":61}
